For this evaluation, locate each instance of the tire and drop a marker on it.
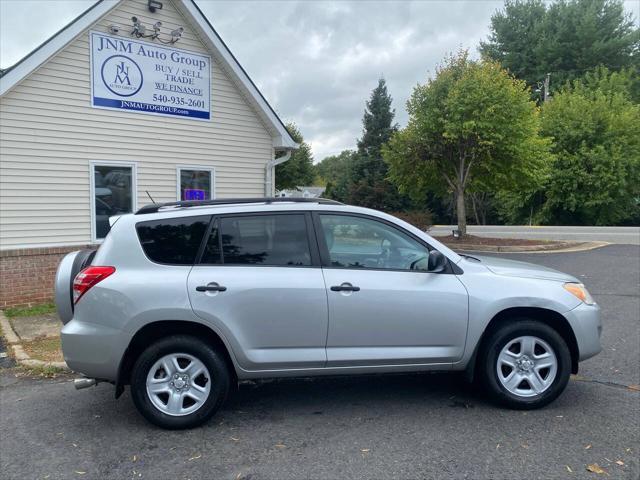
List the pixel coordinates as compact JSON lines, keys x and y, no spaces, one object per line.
{"x":193,"y":391}
{"x":526,"y":385}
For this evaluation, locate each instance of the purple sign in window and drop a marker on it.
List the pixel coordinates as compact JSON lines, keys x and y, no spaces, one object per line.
{"x":194,"y":194}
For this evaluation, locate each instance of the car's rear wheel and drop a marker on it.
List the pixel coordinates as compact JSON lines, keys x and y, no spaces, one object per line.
{"x":524,"y":364}
{"x":179,"y":382}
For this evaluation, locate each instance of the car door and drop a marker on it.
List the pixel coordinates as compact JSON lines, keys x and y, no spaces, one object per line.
{"x":384,"y":308}
{"x":260,"y":283}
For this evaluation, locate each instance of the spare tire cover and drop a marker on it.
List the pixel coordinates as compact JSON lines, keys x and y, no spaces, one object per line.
{"x":68,"y":268}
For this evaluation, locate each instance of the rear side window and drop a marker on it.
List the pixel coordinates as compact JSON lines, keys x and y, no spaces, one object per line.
{"x":277,"y":240}
{"x":174,"y":241}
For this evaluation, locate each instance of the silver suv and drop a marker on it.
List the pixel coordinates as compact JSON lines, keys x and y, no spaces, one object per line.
{"x":183,"y":300}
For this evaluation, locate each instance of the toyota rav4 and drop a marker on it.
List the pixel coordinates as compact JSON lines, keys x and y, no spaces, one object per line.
{"x":182,"y":300}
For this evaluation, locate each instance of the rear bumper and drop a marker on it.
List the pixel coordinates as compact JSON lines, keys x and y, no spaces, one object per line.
{"x":587,"y":327}
{"x":91,"y":349}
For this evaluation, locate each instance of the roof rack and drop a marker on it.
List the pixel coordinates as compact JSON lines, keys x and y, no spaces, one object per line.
{"x":155,"y":207}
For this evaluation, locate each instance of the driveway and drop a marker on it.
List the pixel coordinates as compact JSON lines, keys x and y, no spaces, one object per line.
{"x":399,"y":426}
{"x":621,"y":235}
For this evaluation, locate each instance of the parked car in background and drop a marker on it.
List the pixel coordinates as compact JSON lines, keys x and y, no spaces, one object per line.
{"x":184,"y":299}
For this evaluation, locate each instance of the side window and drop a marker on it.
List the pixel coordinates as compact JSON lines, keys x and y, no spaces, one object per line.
{"x":174,"y":241}
{"x":357,"y":242}
{"x":277,"y":240}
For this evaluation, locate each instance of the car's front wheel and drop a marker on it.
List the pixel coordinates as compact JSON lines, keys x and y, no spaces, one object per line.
{"x":179,"y":382}
{"x":524,"y":364}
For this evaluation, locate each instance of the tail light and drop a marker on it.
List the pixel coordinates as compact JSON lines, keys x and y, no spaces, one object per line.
{"x":87,"y":278}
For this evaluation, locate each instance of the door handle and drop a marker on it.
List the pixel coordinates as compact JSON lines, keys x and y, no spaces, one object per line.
{"x":345,"y":287}
{"x":211,"y":287}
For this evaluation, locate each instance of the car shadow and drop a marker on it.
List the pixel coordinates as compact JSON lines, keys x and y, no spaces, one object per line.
{"x":337,"y":392}
{"x":338,"y":401}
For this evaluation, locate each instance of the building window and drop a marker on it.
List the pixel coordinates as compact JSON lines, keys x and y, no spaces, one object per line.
{"x":112,"y":192}
{"x":195,"y":183}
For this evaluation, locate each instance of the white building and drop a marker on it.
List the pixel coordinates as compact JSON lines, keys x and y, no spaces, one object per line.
{"x":112,"y":107}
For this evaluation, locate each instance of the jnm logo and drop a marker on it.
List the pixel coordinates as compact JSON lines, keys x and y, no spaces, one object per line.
{"x":121,"y":75}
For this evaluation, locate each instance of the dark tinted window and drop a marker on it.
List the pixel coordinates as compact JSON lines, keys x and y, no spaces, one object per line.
{"x":113,"y":194}
{"x":279,"y":240}
{"x":174,"y":241}
{"x":211,"y":254}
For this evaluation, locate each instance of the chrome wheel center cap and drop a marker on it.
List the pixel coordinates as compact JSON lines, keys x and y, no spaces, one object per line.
{"x":179,"y":382}
{"x":525,"y":364}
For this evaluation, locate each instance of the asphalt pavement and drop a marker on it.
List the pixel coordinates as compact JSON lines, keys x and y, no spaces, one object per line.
{"x":395,"y":426}
{"x":621,"y":235}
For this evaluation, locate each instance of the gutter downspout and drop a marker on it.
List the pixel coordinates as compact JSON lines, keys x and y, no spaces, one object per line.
{"x":270,"y":169}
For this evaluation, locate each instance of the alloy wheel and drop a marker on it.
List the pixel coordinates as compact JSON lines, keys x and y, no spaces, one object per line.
{"x":178,"y":384}
{"x":527,"y":366}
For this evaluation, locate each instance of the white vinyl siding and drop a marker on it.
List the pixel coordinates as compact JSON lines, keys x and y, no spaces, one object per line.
{"x":49,"y":134}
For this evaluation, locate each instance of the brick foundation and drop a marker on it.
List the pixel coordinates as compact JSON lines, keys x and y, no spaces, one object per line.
{"x":27,"y":275}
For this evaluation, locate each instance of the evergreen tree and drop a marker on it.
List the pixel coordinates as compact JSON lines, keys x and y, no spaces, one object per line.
{"x":370,"y":187}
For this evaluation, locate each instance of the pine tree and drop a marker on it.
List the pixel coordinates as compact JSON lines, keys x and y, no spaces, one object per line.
{"x":371,"y":187}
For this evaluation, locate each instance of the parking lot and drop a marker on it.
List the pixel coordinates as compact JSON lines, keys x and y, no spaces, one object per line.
{"x":398,"y":426}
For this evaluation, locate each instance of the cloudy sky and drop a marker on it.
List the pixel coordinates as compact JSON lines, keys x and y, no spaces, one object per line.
{"x":315,"y":61}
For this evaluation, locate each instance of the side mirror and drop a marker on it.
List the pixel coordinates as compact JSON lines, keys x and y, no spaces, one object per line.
{"x":437,"y":262}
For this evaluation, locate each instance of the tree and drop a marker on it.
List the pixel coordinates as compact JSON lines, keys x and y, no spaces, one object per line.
{"x":377,"y":128}
{"x":595,"y":177}
{"x":471,"y":127}
{"x":298,"y":170}
{"x":566,"y":38}
{"x":369,"y":185}
{"x":336,"y":173}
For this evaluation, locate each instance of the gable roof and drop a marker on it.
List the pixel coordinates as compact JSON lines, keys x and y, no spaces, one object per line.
{"x":13,"y":75}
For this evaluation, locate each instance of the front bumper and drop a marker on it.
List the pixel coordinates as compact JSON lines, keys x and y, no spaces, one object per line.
{"x":587,"y":327}
{"x":93,"y":350}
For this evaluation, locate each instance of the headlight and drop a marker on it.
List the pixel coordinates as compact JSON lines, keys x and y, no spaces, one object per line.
{"x":579,"y":290}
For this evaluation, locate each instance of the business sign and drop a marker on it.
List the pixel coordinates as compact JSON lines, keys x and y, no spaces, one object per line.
{"x":150,"y":78}
{"x":194,"y":194}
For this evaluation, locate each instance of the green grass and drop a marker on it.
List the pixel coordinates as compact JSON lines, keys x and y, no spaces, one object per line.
{"x":41,"y":309}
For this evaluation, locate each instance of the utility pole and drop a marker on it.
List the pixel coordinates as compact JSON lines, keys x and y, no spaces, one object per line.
{"x":545,"y":95}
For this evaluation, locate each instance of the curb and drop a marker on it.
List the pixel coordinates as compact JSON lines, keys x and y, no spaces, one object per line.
{"x":20,"y":355}
{"x":562,"y":247}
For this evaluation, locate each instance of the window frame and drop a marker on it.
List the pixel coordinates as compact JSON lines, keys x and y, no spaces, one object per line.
{"x":92,"y":190}
{"x":212,"y":178}
{"x":324,"y":250}
{"x":311,"y":240}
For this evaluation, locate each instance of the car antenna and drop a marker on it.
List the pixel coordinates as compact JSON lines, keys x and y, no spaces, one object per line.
{"x":149,"y":195}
